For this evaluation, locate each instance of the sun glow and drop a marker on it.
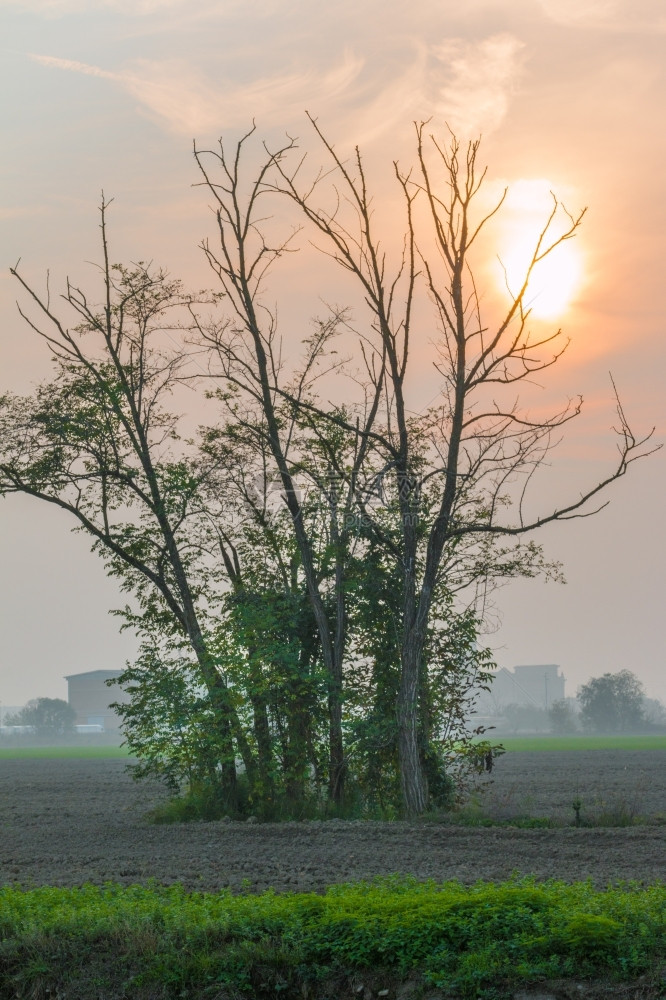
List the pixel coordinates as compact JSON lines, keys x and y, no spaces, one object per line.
{"x":556,"y":279}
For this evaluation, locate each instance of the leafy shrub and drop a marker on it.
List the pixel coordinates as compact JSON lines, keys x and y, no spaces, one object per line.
{"x":162,"y":941}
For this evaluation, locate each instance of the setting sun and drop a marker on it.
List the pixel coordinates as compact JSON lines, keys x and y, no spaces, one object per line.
{"x":556,"y":279}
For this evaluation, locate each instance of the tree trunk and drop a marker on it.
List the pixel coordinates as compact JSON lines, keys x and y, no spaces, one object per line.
{"x":262,"y":735}
{"x":337,"y":765}
{"x":413,"y":781}
{"x":296,"y":756}
{"x":220,"y":701}
{"x":224,"y":710}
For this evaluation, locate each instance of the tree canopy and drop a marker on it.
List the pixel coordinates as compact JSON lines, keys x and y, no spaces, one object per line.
{"x":613,"y":702}
{"x":306,"y":571}
{"x":48,"y":716}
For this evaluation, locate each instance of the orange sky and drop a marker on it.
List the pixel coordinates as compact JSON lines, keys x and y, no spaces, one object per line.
{"x":569,"y":95}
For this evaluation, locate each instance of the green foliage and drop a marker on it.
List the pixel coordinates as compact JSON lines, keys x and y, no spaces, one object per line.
{"x":562,"y":717}
{"x":305,"y":635}
{"x":580,"y":741}
{"x":612,"y":703}
{"x":654,"y":712}
{"x":161,"y":941}
{"x":200,"y":802}
{"x":250,"y":695}
{"x":271,"y":654}
{"x":169,"y":722}
{"x":587,"y":936}
{"x":48,"y":716}
{"x":264,"y":643}
{"x":454,"y":670}
{"x":530,"y":718}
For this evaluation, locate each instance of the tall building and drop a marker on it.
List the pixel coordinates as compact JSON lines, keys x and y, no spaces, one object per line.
{"x":535,"y":684}
{"x":540,"y":683}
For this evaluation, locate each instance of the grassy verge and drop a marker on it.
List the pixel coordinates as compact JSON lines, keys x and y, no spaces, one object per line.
{"x":483,"y":941}
{"x":75,"y":753}
{"x":511,"y":743}
{"x":536,"y":743}
{"x":613,"y":816}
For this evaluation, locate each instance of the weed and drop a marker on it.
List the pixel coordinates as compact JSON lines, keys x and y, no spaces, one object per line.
{"x":511,"y":809}
{"x":201,"y":803}
{"x":577,"y":805}
{"x":162,"y":941}
{"x":535,"y":744}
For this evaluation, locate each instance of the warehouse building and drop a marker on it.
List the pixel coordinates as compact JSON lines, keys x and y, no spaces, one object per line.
{"x":90,"y":698}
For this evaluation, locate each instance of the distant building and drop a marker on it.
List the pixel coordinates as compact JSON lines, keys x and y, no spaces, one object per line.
{"x":89,"y":696}
{"x":539,"y":684}
{"x":534,"y":684}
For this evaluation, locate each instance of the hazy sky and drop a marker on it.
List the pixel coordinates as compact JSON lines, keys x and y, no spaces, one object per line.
{"x":569,"y":95}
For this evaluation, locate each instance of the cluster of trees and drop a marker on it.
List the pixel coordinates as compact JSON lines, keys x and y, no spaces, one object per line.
{"x":292,"y":567}
{"x":524,"y":717}
{"x":562,"y":717}
{"x":612,"y":703}
{"x":47,"y":716}
{"x":616,"y":703}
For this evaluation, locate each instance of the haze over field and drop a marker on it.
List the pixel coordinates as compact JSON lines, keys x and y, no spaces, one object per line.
{"x":569,"y":96}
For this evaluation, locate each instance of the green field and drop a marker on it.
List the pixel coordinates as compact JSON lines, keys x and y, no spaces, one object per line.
{"x":610,"y":742}
{"x":514,"y":744}
{"x":75,"y":753}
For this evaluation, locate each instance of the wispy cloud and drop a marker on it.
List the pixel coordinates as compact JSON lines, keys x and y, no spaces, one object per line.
{"x":191,"y":103}
{"x":607,"y":15}
{"x":467,"y":83}
{"x":74,"y":66}
{"x":477,"y":81}
{"x":186,"y":101}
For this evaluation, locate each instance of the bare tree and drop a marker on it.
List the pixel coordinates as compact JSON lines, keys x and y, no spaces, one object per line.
{"x":459,"y":472}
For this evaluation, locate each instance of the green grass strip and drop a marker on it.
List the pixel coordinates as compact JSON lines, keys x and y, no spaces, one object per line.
{"x":483,"y":941}
{"x":536,"y":743}
{"x":513,"y":743}
{"x":74,"y":753}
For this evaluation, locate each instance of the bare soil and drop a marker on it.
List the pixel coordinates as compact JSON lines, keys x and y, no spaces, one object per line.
{"x":66,"y":822}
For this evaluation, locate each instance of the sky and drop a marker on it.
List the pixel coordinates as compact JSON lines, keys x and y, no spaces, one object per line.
{"x":568,"y":96}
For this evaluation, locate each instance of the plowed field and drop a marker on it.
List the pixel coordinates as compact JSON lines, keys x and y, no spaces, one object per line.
{"x":65,"y":822}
